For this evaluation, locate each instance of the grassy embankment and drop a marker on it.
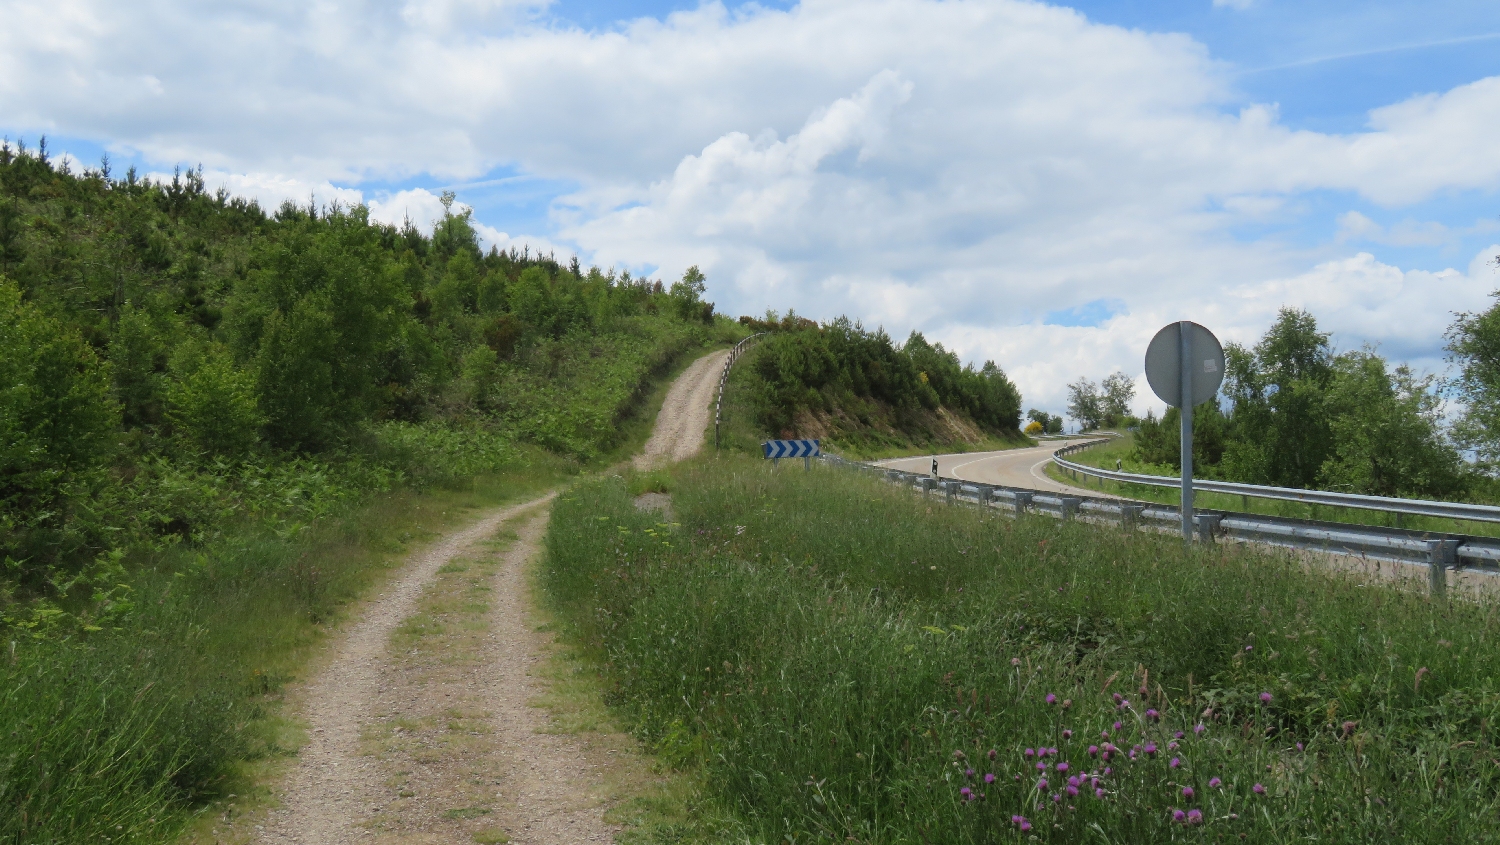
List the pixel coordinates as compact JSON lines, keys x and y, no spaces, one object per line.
{"x":839,"y":665}
{"x":1122,"y":449}
{"x":125,"y":730}
{"x":842,"y":431}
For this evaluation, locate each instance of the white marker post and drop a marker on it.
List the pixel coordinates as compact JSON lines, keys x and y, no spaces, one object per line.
{"x":1172,"y":369}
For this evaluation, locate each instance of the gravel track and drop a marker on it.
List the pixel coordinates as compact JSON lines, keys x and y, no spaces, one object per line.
{"x":685,"y":414}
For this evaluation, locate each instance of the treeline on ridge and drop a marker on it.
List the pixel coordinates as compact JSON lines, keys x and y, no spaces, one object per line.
{"x":164,"y":347}
{"x":845,"y":378}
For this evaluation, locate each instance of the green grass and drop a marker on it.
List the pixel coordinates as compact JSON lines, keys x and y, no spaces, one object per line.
{"x":123,"y":733}
{"x":1121,"y":449}
{"x":835,"y":654}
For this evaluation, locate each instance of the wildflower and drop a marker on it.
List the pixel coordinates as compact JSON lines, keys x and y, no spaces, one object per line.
{"x":1258,"y":789}
{"x":1265,"y":698}
{"x":1152,"y":714}
{"x":1172,"y":746}
{"x":1030,"y":752}
{"x":1177,"y":735}
{"x":1093,"y":751}
{"x":967,"y":793}
{"x":1176,"y":761}
{"x":1249,"y":648}
{"x":1067,"y":734}
{"x":1104,"y":734}
{"x":1187,"y":792}
{"x":1025,"y":825}
{"x":1056,"y":798}
{"x":968,"y":773}
{"x":1072,"y":791}
{"x":1150,"y":749}
{"x":1051,"y":699}
{"x":1098,"y":792}
{"x":1178,"y":815}
{"x":1015,"y":661}
{"x":1117,"y":698}
{"x":1195,"y":816}
{"x":989,"y":777}
{"x":1348,"y":728}
{"x":1299,"y":746}
{"x":1132,"y":753}
{"x":1119,"y":725}
{"x":1041,"y":785}
{"x":1144,"y":690}
{"x":1214,"y":783}
{"x":1074,"y":781}
{"x":1107,"y":771}
{"x":1040,"y":766}
{"x":1062,"y":767}
{"x":1198,"y":728}
{"x":992,"y":753}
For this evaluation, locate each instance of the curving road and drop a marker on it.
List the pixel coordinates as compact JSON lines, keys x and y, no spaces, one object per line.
{"x":1010,"y":468}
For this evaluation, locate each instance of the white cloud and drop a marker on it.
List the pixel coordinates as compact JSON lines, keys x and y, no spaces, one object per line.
{"x":964,"y":167}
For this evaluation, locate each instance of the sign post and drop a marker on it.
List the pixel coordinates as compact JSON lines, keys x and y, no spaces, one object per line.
{"x":1185,"y":366}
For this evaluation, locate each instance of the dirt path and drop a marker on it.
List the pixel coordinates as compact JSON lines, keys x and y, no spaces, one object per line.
{"x":423,"y":728}
{"x":685,"y":414}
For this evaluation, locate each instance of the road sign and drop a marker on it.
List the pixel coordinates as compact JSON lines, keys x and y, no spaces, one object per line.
{"x":792,"y":448}
{"x":1185,"y":366}
{"x":1164,"y":363}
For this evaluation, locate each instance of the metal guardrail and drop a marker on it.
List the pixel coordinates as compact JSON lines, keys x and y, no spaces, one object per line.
{"x":1437,"y":551}
{"x":734,"y":355}
{"x":1408,"y":507}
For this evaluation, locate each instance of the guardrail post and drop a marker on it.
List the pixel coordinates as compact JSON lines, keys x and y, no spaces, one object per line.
{"x":1441,"y":554}
{"x":985,"y":492}
{"x":1070,"y":507}
{"x":1023,"y":502}
{"x":927,"y":484}
{"x":1130,"y":515}
{"x":1208,"y":525}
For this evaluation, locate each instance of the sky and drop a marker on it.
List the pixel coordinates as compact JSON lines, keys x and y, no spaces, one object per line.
{"x":1036,"y":184}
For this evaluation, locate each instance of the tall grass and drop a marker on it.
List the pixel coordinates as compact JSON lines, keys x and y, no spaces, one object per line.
{"x":848,"y":666}
{"x":118,"y":734}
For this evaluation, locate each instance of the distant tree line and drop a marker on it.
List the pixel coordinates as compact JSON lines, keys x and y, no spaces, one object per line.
{"x":1298,"y":413}
{"x":804,"y":366}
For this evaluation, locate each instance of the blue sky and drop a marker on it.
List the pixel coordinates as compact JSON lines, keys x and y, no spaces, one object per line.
{"x":1039,"y":185}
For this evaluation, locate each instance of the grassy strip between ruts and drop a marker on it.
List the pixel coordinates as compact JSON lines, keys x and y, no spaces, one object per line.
{"x":847,"y":663}
{"x":1122,"y":450}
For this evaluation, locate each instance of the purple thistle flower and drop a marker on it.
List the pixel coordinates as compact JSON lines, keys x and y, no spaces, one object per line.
{"x":1194,"y":816}
{"x":967,"y":793}
{"x":1093,"y":751}
{"x":1016,"y":819}
{"x":1104,"y":734}
{"x":1107,"y":771}
{"x":1299,"y":746}
{"x":1062,"y":767}
{"x":1214,"y":783}
{"x":1198,"y":728}
{"x":1056,"y":798}
{"x":1132,"y":753}
{"x":1040,"y":766}
{"x":1119,"y":725}
{"x":1098,"y":792}
{"x":1067,"y":734}
{"x":1177,"y":735}
{"x":1258,"y":789}
{"x":968,"y":773}
{"x":1041,"y":785}
{"x":1117,"y":698}
{"x":1074,"y":781}
{"x":1051,"y":699}
{"x":1187,"y":792}
{"x":1152,"y":714}
{"x":1249,"y":648}
{"x":989,"y":777}
{"x":992,"y":753}
{"x":1172,"y":746}
{"x":1176,"y":761}
{"x":1030,"y":752}
{"x":1072,"y":791}
{"x":1025,"y":825}
{"x":1150,"y":749}
{"x":1265,"y":698}
{"x":1178,"y":815}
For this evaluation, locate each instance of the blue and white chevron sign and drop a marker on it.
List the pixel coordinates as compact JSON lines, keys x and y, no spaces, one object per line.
{"x":792,"y":448}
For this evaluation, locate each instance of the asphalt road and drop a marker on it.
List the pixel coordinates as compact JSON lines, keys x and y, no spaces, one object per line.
{"x":1010,"y":468}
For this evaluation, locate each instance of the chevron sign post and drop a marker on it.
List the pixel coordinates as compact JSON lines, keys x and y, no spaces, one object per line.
{"x":804,"y":449}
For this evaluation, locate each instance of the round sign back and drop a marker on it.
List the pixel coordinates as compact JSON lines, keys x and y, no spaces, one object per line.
{"x":1164,"y":363}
